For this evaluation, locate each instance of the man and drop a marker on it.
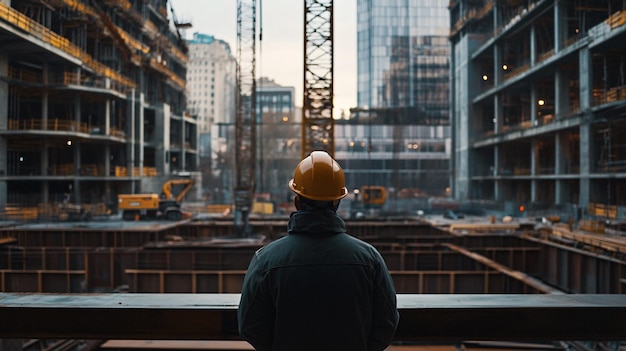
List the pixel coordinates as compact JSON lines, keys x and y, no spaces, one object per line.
{"x":317,"y":288}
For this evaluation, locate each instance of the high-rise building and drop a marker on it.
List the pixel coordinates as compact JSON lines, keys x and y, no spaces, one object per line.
{"x":539,"y":105}
{"x":92,"y":101}
{"x":278,"y":145}
{"x":403,"y":140}
{"x":211,"y":81}
{"x":279,"y":139}
{"x":211,"y":97}
{"x":403,"y":55}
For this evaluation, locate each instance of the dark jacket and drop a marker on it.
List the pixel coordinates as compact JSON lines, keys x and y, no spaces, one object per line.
{"x":317,"y":288}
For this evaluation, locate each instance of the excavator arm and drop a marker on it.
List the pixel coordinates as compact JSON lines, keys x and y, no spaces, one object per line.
{"x":167,"y":188}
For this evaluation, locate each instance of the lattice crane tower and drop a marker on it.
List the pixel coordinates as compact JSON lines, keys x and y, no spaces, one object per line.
{"x":317,"y":109}
{"x":245,"y":123}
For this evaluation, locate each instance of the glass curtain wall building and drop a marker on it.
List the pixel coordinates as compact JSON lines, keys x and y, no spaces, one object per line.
{"x":403,"y":84}
{"x":403,"y":54}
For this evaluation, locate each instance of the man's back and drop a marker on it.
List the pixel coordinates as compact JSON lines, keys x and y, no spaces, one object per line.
{"x":323,"y":292}
{"x":317,"y":288}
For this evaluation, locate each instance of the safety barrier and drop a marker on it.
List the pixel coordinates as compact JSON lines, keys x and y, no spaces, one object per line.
{"x":602,"y":210}
{"x":617,"y":19}
{"x":121,"y":171}
{"x":35,"y":29}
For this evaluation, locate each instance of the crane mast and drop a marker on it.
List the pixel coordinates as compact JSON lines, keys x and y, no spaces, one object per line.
{"x":317,"y":109}
{"x":245,"y":123}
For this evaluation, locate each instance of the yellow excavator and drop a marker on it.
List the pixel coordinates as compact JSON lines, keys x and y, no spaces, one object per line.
{"x":153,"y":206}
{"x":373,"y":196}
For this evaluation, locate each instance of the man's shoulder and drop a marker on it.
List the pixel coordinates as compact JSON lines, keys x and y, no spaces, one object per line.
{"x":272,"y":245}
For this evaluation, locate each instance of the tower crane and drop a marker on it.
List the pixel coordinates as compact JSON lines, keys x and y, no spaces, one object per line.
{"x":317,"y":124}
{"x":317,"y":108}
{"x":245,"y":120}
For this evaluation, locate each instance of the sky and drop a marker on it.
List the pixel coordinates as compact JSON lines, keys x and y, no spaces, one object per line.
{"x":279,"y":56}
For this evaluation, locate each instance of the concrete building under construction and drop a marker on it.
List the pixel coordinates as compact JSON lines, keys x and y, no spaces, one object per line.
{"x":539,"y":104}
{"x":92,"y":101}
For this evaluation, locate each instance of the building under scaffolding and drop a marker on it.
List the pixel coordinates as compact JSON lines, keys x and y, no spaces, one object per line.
{"x":539,"y":104}
{"x":92,"y":101}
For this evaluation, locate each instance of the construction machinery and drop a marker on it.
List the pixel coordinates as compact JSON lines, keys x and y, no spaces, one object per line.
{"x":368,"y":200}
{"x":245,"y":121}
{"x":373,"y":196}
{"x":153,"y":206}
{"x":317,"y":111}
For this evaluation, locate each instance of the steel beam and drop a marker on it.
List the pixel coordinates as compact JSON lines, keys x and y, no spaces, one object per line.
{"x":433,"y":317}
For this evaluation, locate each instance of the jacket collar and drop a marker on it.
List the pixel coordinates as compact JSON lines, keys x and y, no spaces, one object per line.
{"x":325,"y":221}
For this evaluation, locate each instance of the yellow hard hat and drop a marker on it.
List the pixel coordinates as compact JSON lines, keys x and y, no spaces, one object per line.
{"x":319,"y":177}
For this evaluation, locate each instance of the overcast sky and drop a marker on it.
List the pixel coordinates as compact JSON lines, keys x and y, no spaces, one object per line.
{"x":280,"y":54}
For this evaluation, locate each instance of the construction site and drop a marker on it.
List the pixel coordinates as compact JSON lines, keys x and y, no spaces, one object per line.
{"x":93,"y":104}
{"x":543,"y":83}
{"x":98,"y":250}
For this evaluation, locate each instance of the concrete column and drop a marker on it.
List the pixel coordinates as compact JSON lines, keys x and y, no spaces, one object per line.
{"x":559,"y":158}
{"x":107,"y":117}
{"x":533,"y":170}
{"x":107,"y":160}
{"x":130,"y":131}
{"x":183,"y":161}
{"x":585,"y":79}
{"x":586,"y":143}
{"x":3,"y":172}
{"x":142,"y":136}
{"x":586,"y":140}
{"x":45,"y":165}
{"x":45,"y":162}
{"x":558,"y":168}
{"x":496,"y":165}
{"x":44,"y":96}
{"x":4,"y":96}
{"x":561,"y":93}
{"x":533,"y":105}
{"x":497,"y":74}
{"x":4,"y":123}
{"x":162,"y":128}
{"x":533,"y":45}
{"x":460,"y":113}
{"x":533,"y":157}
{"x":77,"y":165}
{"x":496,"y":14}
{"x":497,"y":113}
{"x":560,"y":25}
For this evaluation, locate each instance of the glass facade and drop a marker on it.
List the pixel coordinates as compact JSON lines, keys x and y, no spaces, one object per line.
{"x":399,"y":135}
{"x":403,"y":55}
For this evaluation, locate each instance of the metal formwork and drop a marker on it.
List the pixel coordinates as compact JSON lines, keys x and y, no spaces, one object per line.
{"x":200,"y":257}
